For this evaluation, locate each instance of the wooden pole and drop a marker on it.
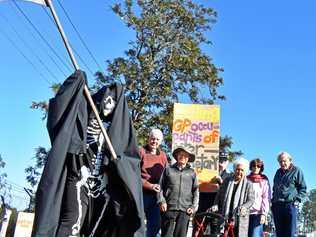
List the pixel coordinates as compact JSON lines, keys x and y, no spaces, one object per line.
{"x":86,"y":90}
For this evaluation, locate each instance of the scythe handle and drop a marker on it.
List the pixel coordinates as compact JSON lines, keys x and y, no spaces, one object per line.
{"x":86,"y":90}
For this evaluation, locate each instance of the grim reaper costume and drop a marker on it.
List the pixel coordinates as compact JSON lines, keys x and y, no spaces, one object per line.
{"x":82,"y":191}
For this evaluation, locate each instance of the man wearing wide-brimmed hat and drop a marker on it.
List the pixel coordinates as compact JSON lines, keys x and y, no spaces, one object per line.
{"x":179,"y":194}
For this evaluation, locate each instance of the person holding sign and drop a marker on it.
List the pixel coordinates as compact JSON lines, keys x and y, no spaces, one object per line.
{"x":153,"y":162}
{"x":179,"y":194}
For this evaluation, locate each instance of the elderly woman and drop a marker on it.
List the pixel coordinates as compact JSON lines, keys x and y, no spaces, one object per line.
{"x":235,"y":197}
{"x":289,"y":188}
{"x":260,"y":208}
{"x":153,"y":162}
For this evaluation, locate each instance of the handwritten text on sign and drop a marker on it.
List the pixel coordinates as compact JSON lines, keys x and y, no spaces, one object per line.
{"x":197,"y":128}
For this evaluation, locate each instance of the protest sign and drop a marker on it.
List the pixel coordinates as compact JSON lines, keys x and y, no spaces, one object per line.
{"x":197,"y":127}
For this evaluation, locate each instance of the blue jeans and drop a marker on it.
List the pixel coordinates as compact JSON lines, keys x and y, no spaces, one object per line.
{"x":255,"y":228}
{"x":284,"y":215}
{"x":152,"y":213}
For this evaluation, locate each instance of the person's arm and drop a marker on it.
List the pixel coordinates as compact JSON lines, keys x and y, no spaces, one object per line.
{"x":250,"y":196}
{"x":274,"y":196}
{"x":300,"y":186}
{"x":144,"y":174}
{"x":250,"y":199}
{"x":217,"y":206}
{"x":196,"y":193}
{"x":160,"y":195}
{"x":266,"y":194}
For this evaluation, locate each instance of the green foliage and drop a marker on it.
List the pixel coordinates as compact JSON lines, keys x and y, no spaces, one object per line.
{"x":33,"y":173}
{"x":5,"y":188}
{"x":164,"y":63}
{"x":43,"y":105}
{"x":225,"y":144}
{"x":309,"y":212}
{"x":3,"y":176}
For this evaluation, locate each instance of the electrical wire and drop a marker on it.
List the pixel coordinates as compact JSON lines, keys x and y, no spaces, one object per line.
{"x":79,"y":36}
{"x":73,"y":48}
{"x":14,"y":184}
{"x":27,"y":27}
{"x":81,"y":59}
{"x":30,"y":49}
{"x":25,"y":57}
{"x":41,"y":36}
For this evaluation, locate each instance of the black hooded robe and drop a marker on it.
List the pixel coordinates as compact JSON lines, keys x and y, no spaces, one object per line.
{"x":67,"y":126}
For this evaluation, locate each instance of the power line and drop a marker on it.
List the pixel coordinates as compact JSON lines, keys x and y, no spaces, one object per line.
{"x":14,"y":184}
{"x":81,"y":59}
{"x":25,"y":57}
{"x":41,"y":36}
{"x":27,"y":27}
{"x":73,"y":48}
{"x":19,"y":197}
{"x":16,"y":190}
{"x":78,"y":34}
{"x":30,"y":48}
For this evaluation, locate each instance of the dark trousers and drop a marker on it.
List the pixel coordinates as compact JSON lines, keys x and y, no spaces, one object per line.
{"x":255,"y":228}
{"x":284,"y":215}
{"x":152,"y":213}
{"x":174,"y":224}
{"x":206,"y":200}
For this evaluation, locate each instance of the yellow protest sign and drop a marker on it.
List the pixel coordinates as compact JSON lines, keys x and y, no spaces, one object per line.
{"x":197,"y":127}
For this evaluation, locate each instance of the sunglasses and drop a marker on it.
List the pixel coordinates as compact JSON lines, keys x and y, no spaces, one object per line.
{"x":256,"y":166}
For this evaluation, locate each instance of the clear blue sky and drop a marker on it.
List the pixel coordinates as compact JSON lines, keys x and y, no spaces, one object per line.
{"x":267,"y":49}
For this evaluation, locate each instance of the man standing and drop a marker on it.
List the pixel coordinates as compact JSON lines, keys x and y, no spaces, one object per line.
{"x":179,"y":195}
{"x":289,"y":188}
{"x":153,"y":162}
{"x":223,"y":163}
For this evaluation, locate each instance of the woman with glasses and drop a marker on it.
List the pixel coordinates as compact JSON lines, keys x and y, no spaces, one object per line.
{"x":259,"y":210}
